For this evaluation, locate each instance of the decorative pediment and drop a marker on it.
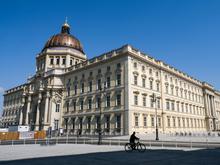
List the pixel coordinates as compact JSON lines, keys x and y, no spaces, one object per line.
{"x":144,"y":94}
{"x":136,"y":92}
{"x":144,"y":76}
{"x":135,"y":73}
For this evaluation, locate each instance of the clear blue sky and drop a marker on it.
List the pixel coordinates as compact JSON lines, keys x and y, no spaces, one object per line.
{"x":184,"y":34}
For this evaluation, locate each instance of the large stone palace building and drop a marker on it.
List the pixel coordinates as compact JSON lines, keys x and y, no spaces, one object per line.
{"x":115,"y":89}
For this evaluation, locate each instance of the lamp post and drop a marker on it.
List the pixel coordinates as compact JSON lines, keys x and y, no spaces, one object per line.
{"x":154,"y":100}
{"x":100,"y":114}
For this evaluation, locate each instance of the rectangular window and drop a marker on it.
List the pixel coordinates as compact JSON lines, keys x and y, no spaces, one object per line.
{"x":88,"y":123}
{"x":174,"y":122}
{"x":90,"y":86}
{"x":167,"y":105}
{"x":179,"y":122}
{"x":144,"y":101}
{"x":108,"y":82}
{"x":90,"y":104}
{"x":158,"y":86}
{"x":108,"y":101}
{"x":168,"y":122}
{"x":64,"y":61}
{"x":82,"y":88}
{"x":159,"y":122}
{"x":135,"y":100}
{"x":74,"y":105}
{"x":108,"y":68}
{"x":135,"y":80}
{"x":51,"y":61}
{"x":136,"y":121}
{"x":68,"y":91}
{"x":152,"y":121}
{"x":81,"y":104}
{"x":98,"y":102}
{"x":172,"y":106}
{"x":145,"y":121}
{"x":118,"y":122}
{"x":67,"y":106}
{"x":75,"y":89}
{"x":56,"y":124}
{"x":151,"y":103}
{"x":57,"y":107}
{"x":58,"y":61}
{"x":118,"y":65}
{"x":158,"y":103}
{"x":99,"y":85}
{"x":118,"y":83}
{"x":118,"y":100}
{"x":71,"y":62}
{"x":171,"y":88}
{"x":167,"y":89}
{"x":151,"y":84}
{"x":107,"y":123}
{"x":143,"y":82}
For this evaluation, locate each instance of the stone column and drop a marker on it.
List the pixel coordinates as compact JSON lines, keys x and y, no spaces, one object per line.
{"x":207,"y":105}
{"x":21,"y":116}
{"x":28,"y":109}
{"x":37,"y":121}
{"x":46,"y":108}
{"x":122,"y":123}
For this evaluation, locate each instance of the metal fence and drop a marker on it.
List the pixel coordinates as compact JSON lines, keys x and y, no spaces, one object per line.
{"x":120,"y":142}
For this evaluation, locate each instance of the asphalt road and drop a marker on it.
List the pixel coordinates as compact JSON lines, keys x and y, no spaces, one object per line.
{"x":155,"y":157}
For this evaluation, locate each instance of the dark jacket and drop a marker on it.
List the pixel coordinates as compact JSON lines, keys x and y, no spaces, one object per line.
{"x":133,"y":138}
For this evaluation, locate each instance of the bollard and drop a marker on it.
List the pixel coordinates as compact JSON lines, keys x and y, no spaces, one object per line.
{"x":24,"y":142}
{"x":35,"y":141}
{"x":12,"y":142}
{"x":84,"y":141}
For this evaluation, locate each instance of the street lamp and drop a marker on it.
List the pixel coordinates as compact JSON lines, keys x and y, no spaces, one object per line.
{"x":154,"y":100}
{"x":100,"y":114}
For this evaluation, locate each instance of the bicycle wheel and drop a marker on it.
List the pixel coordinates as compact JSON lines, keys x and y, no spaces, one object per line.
{"x":128,"y":147}
{"x":141,"y":147}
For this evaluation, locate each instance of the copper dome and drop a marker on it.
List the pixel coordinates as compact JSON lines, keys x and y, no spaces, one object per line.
{"x":64,"y":39}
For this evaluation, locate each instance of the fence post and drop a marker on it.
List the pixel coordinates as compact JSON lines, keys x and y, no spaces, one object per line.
{"x":24,"y":142}
{"x":12,"y":142}
{"x":35,"y":141}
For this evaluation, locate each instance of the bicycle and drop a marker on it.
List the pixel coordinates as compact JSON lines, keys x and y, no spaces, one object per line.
{"x":139,"y":146}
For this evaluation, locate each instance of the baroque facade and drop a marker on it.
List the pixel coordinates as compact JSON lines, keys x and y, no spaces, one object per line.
{"x":113,"y":90}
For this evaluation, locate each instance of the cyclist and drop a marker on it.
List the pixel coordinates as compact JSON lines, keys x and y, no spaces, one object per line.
{"x":132,"y":140}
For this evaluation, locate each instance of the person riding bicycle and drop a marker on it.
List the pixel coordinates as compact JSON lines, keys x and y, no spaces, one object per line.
{"x":132,"y":140}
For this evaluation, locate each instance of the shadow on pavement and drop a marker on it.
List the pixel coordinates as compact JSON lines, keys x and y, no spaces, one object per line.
{"x":155,"y":157}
